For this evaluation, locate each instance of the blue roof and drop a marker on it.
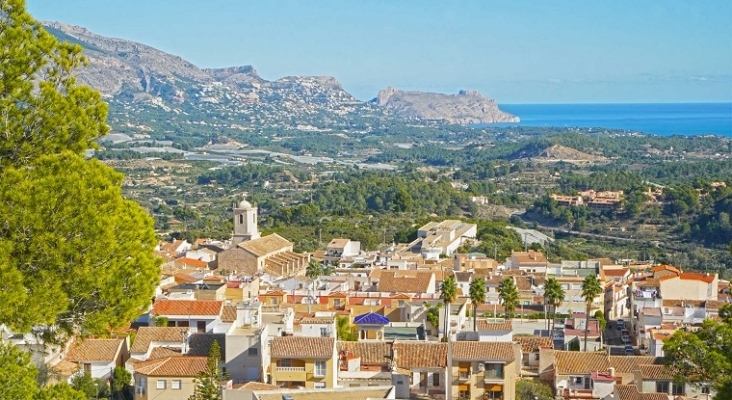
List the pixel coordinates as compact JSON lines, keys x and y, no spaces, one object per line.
{"x":371,"y":319}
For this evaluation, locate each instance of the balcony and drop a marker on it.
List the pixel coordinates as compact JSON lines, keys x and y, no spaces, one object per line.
{"x":289,"y":374}
{"x":463,"y":376}
{"x":493,"y":375}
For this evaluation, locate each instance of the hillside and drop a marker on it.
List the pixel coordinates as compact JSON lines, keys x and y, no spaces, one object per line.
{"x":556,"y":153}
{"x":158,"y":94}
{"x":466,"y":107}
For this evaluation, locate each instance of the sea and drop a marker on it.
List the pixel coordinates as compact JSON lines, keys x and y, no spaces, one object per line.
{"x":663,"y":119}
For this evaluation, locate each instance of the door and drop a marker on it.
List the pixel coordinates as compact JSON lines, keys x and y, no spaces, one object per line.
{"x":201,"y":326}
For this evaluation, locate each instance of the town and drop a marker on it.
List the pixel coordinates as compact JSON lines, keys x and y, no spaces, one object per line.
{"x":407,"y":322}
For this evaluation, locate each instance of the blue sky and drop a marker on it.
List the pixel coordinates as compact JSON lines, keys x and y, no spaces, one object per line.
{"x":517,"y":51}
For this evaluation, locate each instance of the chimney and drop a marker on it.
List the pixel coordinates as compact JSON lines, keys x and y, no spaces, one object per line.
{"x":611,"y":371}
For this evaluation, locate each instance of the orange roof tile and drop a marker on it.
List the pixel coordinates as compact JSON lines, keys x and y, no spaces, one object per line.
{"x":616,"y":272}
{"x":670,"y":268}
{"x":148,"y":334}
{"x":401,"y":296}
{"x":408,"y":281}
{"x":173,"y":366}
{"x":628,"y":364}
{"x":94,"y":350}
{"x":484,"y":325}
{"x":628,"y":392}
{"x":182,"y":277}
{"x":302,"y":347}
{"x":265,"y":245}
{"x":577,"y":362}
{"x":420,"y":354}
{"x":533,"y":343}
{"x":706,"y":278}
{"x":192,"y":262}
{"x":370,"y":352}
{"x":187,"y":307}
{"x":228,"y":314}
{"x":530,"y":257}
{"x":654,"y":372}
{"x":484,"y":351}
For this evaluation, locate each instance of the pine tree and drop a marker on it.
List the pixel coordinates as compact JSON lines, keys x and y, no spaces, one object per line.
{"x":209,"y":380}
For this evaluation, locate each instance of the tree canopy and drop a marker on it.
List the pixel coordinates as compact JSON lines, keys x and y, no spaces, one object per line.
{"x":74,"y":254}
{"x":591,"y":288}
{"x":477,"y":297}
{"x":18,"y":379}
{"x":704,"y":357}
{"x":509,"y":295}
{"x":207,"y":381}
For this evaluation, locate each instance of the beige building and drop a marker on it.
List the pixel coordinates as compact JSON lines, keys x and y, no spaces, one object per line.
{"x":484,"y":370}
{"x":529,"y":261}
{"x":168,"y":378}
{"x":437,"y":238}
{"x":303,"y":362}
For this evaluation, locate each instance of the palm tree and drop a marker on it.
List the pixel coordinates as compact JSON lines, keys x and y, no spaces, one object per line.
{"x":477,"y":296}
{"x":313,"y":271}
{"x":553,"y":295}
{"x":448,"y":295}
{"x":509,"y":294}
{"x":591,"y":288}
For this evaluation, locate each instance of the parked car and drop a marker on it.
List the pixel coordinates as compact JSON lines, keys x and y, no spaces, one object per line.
{"x":626,"y":338}
{"x":629,"y":350}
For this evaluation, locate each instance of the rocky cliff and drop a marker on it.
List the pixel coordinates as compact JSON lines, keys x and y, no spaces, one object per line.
{"x":143,"y":84}
{"x":466,"y":107}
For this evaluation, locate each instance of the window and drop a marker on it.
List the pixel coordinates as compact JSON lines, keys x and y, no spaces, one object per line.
{"x":662,"y":387}
{"x":87,"y":369}
{"x":436,"y":379}
{"x":241,"y":219}
{"x":493,"y":371}
{"x":705,"y":389}
{"x":285,"y":362}
{"x":323,"y":332}
{"x":320,"y":385}
{"x":527,"y":303}
{"x":175,"y":384}
{"x":577,"y":380}
{"x":160,"y":384}
{"x":320,"y":368}
{"x":253,"y":352}
{"x":677,"y":390}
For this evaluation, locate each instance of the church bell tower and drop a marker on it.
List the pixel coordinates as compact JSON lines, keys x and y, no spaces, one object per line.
{"x":245,"y":223}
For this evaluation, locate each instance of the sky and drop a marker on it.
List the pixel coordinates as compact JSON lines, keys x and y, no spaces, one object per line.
{"x":515,"y":51}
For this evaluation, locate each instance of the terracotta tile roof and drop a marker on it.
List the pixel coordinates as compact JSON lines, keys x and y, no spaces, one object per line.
{"x":577,"y":362}
{"x":192,"y":262}
{"x":683,"y":303}
{"x":172,"y":366}
{"x":302,"y":347}
{"x":370,"y":352}
{"x":706,"y":278}
{"x":482,"y":351}
{"x":401,"y":296}
{"x":148,"y":334}
{"x":628,"y":392}
{"x":265,"y":245}
{"x":530,"y":257}
{"x":162,"y":352}
{"x":338,"y":295}
{"x":182,"y":277}
{"x":714,"y":304}
{"x":228,"y":314}
{"x":653,"y":396}
{"x":408,"y":281}
{"x":669,"y":268}
{"x":484,"y":325}
{"x":199,"y":344}
{"x":533,"y":343}
{"x":463,"y":276}
{"x":523,"y":282}
{"x":654,"y":372}
{"x":628,"y":364}
{"x":187,"y":307}
{"x":421,"y":354}
{"x":338,"y":243}
{"x":616,"y":271}
{"x":66,"y":368}
{"x":649,"y":282}
{"x":94,"y":350}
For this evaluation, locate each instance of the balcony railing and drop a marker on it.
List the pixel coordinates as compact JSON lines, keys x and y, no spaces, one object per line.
{"x":463,"y":376}
{"x":290,"y":369}
{"x":493,"y":374}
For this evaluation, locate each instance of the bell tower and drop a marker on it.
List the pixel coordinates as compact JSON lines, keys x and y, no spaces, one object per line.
{"x":245,"y":222}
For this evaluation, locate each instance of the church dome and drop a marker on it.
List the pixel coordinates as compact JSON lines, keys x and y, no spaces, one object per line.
{"x":245,"y":204}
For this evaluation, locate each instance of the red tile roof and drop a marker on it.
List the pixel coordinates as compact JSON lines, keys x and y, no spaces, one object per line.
{"x":172,"y":366}
{"x":483,"y":351}
{"x":420,"y":354}
{"x":192,"y":262}
{"x":616,"y":272}
{"x":148,"y":334}
{"x":302,"y":347}
{"x":94,"y":350}
{"x":706,"y":278}
{"x":210,"y":308}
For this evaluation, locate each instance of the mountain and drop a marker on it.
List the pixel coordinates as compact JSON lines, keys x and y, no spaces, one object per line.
{"x":466,"y":107}
{"x":164,"y":95}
